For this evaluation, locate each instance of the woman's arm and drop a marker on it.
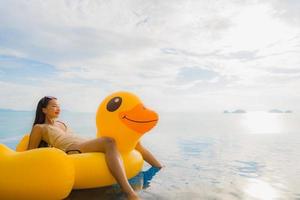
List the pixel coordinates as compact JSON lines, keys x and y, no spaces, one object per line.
{"x":147,"y":156}
{"x":35,"y":137}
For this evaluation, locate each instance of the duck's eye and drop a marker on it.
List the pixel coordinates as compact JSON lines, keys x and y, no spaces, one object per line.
{"x":114,"y":104}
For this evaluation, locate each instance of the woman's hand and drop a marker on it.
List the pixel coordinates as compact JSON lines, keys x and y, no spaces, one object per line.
{"x":148,"y":157}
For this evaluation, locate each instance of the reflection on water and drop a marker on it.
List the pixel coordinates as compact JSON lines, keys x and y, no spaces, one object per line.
{"x":139,"y":182}
{"x":261,"y":190}
{"x":192,"y":147}
{"x":249,"y":156}
{"x":249,"y":169}
{"x":209,"y":156}
{"x":262,"y":122}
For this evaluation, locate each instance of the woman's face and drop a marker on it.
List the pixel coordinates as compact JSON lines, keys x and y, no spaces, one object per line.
{"x":53,"y":109}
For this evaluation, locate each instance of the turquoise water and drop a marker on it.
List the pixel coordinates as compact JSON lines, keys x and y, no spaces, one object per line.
{"x":207,"y":155}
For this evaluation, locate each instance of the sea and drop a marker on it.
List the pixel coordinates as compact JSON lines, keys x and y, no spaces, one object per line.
{"x":206,"y":155}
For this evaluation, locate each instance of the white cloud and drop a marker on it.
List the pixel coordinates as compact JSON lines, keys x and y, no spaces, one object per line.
{"x":101,"y":46}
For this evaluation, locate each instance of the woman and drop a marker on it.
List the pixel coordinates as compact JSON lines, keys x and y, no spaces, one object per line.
{"x":47,"y":130}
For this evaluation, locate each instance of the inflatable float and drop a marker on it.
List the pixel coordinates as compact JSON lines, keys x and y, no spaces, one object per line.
{"x":49,"y":173}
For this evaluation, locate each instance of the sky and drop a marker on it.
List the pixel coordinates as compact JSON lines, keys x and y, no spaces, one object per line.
{"x":176,"y":55}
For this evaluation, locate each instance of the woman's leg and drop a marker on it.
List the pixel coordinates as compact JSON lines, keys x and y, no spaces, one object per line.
{"x":113,"y":160}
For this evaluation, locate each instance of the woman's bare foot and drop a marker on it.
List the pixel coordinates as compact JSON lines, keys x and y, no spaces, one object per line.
{"x":133,"y":196}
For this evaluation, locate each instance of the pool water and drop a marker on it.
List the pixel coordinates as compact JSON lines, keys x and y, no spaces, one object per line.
{"x":206,"y":155}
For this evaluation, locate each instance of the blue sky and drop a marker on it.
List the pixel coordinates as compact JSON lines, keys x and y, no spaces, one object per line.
{"x":176,"y":55}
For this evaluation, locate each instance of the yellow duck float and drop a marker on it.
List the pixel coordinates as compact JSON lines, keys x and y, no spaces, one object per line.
{"x":49,"y":173}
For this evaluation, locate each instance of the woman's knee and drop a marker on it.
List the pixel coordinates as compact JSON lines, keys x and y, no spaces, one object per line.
{"x":109,"y":142}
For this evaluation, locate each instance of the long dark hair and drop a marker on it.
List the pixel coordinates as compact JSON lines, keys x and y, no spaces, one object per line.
{"x":40,"y":116}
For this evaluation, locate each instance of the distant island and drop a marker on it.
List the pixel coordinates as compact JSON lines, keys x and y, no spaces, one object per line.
{"x":8,"y":110}
{"x":238,"y":111}
{"x":280,"y":111}
{"x":12,"y":110}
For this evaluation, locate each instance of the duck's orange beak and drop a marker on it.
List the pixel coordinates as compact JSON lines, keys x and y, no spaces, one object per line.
{"x":139,"y":119}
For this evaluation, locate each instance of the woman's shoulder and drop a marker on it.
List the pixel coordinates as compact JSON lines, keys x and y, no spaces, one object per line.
{"x":39,"y":128}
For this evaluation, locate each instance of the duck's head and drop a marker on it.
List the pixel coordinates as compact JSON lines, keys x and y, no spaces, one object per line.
{"x":123,"y":117}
